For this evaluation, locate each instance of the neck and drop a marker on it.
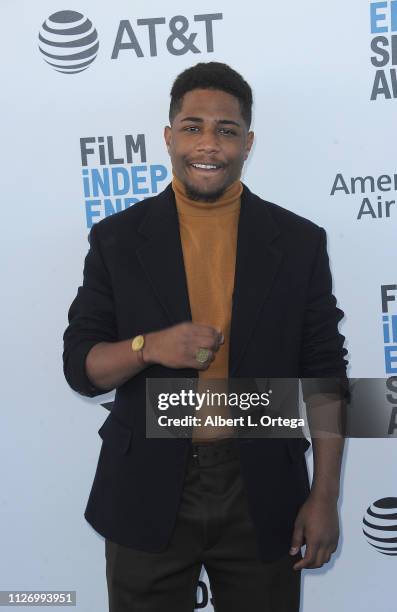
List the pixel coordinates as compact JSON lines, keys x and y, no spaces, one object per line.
{"x":227,"y":202}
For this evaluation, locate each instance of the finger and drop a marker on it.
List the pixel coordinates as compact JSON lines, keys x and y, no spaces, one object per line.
{"x":212,"y":332}
{"x":297,"y":540}
{"x":207,"y":342}
{"x":322,"y":556}
{"x":307,"y":560}
{"x":318,"y":561}
{"x":327,"y":555}
{"x":208,"y":330}
{"x":221,"y":336}
{"x":202,"y":365}
{"x":207,"y":363}
{"x":218,"y":338}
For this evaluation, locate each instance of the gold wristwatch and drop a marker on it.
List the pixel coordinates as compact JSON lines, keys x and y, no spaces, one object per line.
{"x":137,"y":344}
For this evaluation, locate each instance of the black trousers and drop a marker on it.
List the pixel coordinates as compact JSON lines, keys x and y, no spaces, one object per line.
{"x":213,"y":529}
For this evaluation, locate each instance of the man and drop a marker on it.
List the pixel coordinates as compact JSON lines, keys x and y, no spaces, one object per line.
{"x":206,"y":280}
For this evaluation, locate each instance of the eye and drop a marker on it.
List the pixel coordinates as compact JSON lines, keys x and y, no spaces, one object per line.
{"x":227,"y":132}
{"x":191,"y":128}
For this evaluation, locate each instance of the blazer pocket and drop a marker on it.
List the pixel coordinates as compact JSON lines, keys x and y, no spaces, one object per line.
{"x":296,"y":448}
{"x":115,"y":434}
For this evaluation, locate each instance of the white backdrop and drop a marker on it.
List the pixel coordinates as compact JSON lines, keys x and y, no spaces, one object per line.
{"x":309,"y":65}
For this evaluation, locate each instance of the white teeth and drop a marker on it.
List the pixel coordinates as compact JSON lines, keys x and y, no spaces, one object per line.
{"x":205,"y":166}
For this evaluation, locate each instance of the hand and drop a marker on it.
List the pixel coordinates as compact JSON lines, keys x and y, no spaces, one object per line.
{"x":317,"y":526}
{"x":176,"y":346}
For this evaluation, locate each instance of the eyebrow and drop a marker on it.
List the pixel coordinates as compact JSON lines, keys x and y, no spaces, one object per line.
{"x":220,"y":121}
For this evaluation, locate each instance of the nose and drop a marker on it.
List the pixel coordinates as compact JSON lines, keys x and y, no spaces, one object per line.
{"x":208,"y":142}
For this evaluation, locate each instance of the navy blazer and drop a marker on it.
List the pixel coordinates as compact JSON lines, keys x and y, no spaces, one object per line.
{"x":284,"y":324}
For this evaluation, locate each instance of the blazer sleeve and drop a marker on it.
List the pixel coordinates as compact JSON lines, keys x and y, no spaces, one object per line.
{"x":322,"y":350}
{"x":91,"y":318}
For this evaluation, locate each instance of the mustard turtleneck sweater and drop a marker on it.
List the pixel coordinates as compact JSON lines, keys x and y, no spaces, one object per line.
{"x":208,"y":233}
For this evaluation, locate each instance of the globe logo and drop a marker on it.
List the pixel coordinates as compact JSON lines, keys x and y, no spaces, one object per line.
{"x":380,"y":525}
{"x":68,"y":42}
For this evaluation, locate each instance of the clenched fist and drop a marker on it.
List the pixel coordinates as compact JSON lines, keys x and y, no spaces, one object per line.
{"x":176,"y":346}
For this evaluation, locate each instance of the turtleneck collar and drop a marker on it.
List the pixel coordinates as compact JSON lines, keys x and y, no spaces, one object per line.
{"x":227,"y":203}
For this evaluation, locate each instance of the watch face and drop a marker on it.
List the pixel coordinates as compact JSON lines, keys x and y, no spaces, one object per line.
{"x":138,"y":343}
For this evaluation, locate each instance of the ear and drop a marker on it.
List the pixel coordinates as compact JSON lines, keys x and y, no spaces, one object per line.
{"x":249,"y":143}
{"x":167,"y":137}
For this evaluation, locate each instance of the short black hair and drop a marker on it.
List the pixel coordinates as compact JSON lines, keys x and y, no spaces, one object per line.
{"x":212,"y":75}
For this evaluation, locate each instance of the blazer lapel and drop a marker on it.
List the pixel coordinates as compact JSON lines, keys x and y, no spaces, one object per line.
{"x":162,"y":257}
{"x":257,"y":263}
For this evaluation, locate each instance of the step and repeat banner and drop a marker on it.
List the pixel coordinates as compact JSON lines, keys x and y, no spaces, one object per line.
{"x":85,"y":95}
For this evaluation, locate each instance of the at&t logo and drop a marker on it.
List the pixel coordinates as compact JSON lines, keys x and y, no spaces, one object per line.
{"x":68,"y":42}
{"x":380,"y":525}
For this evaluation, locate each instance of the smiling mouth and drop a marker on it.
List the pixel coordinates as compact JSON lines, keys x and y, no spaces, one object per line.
{"x":206,"y":167}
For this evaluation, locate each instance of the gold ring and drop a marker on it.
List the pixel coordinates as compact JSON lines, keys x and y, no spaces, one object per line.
{"x":202,"y":355}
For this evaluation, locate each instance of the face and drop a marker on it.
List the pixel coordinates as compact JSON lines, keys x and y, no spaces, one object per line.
{"x":208,"y":143}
